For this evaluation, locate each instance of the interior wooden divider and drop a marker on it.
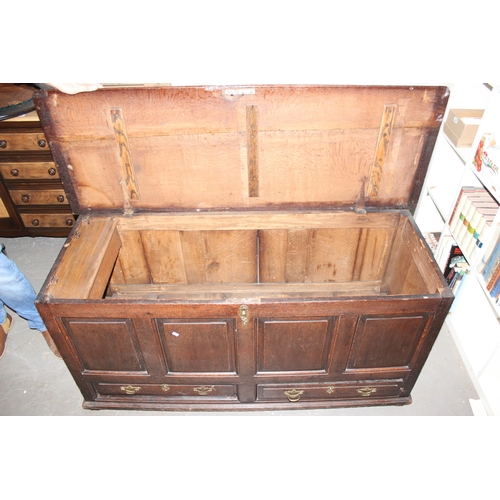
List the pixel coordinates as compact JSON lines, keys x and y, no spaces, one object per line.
{"x":87,"y":261}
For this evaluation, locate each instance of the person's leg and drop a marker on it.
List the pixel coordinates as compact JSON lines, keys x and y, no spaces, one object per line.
{"x":17,"y":293}
{"x":3,"y":313}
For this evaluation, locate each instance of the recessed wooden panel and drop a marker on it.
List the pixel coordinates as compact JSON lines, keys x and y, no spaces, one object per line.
{"x":294,"y":345}
{"x":163,"y":253}
{"x":382,"y":342}
{"x":106,"y":345}
{"x":198,"y":346}
{"x":220,"y":256}
{"x":314,"y":166}
{"x":332,"y":254}
{"x":324,"y":255}
{"x":133,"y":265}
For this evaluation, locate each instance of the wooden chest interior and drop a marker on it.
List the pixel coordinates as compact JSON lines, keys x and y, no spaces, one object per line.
{"x":276,"y":220}
{"x":249,"y":257}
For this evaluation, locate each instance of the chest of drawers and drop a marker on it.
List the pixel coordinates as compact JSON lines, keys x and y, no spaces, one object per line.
{"x":32,"y":198}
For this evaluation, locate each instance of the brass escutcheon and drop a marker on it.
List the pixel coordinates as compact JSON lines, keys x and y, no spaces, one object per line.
{"x":293,"y":395}
{"x":130,"y":389}
{"x":367,"y":391}
{"x":330,"y":390}
{"x":165,"y":387}
{"x":204,"y":390}
{"x":244,"y":314}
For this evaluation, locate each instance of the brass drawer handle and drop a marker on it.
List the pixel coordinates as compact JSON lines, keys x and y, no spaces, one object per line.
{"x":52,"y":171}
{"x":14,"y":172}
{"x":69,"y":222}
{"x":35,"y":222}
{"x":3,"y":143}
{"x":293,"y":395}
{"x":204,"y":390}
{"x":25,"y":198}
{"x":130,"y":389}
{"x":60,"y":198}
{"x":42,"y":143}
{"x":165,"y":387}
{"x":367,"y":391}
{"x":330,"y":389}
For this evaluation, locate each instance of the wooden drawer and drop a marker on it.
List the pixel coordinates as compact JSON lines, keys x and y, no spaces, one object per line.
{"x":168,"y":390}
{"x":38,"y":197}
{"x":23,"y":141}
{"x":33,"y":220}
{"x":325,"y":391}
{"x":29,"y":170}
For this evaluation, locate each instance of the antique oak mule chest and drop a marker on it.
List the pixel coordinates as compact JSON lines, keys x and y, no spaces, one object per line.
{"x":248,"y":247}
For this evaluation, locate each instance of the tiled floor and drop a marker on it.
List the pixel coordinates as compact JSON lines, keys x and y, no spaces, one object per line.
{"x":34,"y":382}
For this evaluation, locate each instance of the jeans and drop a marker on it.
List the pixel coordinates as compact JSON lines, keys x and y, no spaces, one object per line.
{"x":17,"y":293}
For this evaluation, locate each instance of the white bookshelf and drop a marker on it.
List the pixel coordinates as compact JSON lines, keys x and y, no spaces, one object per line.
{"x":474,"y":319}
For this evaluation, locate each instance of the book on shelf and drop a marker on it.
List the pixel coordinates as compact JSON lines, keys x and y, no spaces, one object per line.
{"x":472,"y":217}
{"x":442,"y":254}
{"x":489,"y":248}
{"x":455,"y":256}
{"x":491,"y":264}
{"x":458,"y":280}
{"x":484,"y":229}
{"x":493,"y":280}
{"x":456,"y":268}
{"x":487,"y":161}
{"x":477,"y":231}
{"x":459,"y":206}
{"x":432,"y":239}
{"x":457,"y":292}
{"x":489,"y":267}
{"x":487,"y":157}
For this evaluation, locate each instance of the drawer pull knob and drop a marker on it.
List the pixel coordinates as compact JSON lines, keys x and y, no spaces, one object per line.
{"x":293,"y":395}
{"x":330,"y":390}
{"x":244,"y":314}
{"x":367,"y":391}
{"x":3,"y":143}
{"x":60,"y":198}
{"x":165,"y":387}
{"x":25,"y":198}
{"x":42,"y":143}
{"x":35,"y":222}
{"x":69,"y":222}
{"x":14,"y":172}
{"x":204,"y":390}
{"x":52,"y":171}
{"x":130,"y":389}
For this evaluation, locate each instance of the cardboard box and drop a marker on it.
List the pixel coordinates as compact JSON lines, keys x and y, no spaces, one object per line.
{"x":461,"y":126}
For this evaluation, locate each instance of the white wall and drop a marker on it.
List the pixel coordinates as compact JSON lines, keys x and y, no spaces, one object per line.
{"x":248,"y":41}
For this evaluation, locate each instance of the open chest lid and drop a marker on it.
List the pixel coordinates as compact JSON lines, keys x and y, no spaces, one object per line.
{"x":242,"y":147}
